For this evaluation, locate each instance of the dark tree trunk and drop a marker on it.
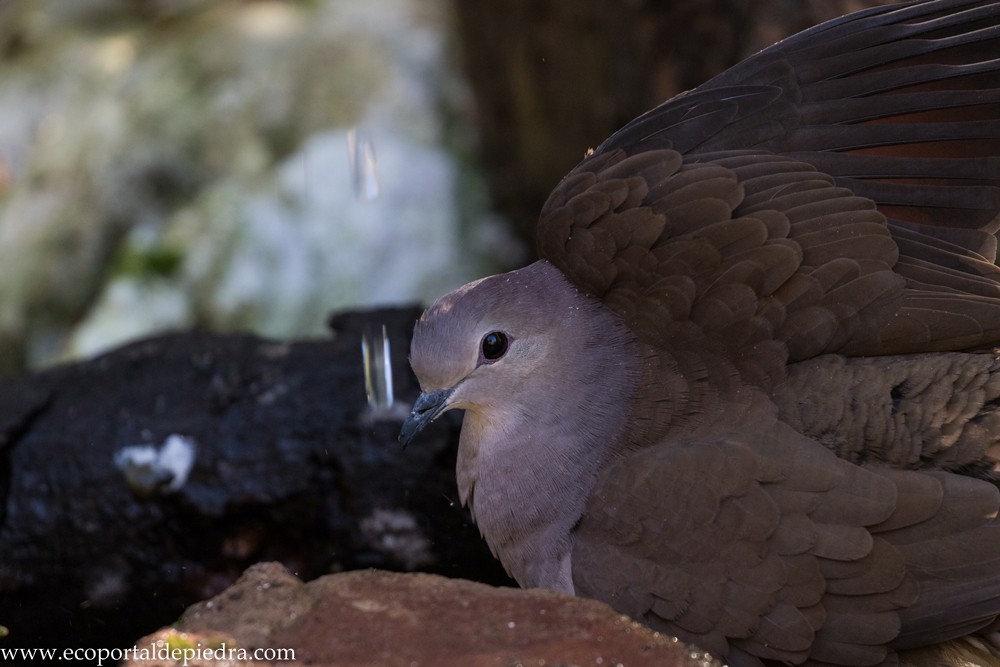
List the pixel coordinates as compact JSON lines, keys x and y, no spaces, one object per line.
{"x":552,"y":78}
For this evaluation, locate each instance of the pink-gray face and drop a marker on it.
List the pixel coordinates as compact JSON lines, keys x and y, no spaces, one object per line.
{"x":486,"y":335}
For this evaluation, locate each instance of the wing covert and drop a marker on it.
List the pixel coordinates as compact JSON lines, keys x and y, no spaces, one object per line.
{"x":864,"y":150}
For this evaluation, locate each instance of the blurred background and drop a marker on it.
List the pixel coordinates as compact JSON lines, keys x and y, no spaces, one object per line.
{"x":254,"y":165}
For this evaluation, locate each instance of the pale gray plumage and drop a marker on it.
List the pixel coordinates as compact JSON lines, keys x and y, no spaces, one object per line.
{"x":748,"y":395}
{"x":551,"y":431}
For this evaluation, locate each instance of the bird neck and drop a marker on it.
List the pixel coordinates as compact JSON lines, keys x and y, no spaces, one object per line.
{"x":526,"y":475}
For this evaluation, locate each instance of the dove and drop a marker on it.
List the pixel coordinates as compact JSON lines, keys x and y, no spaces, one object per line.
{"x":749,"y":394}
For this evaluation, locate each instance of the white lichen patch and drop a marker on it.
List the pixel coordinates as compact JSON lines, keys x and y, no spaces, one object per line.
{"x":149,"y":470}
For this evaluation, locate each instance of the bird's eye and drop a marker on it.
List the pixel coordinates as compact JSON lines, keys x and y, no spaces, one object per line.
{"x":495,"y":345}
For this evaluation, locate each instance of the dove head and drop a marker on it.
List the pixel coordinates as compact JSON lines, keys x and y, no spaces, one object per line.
{"x":544,"y":374}
{"x":500,"y":327}
{"x":494,"y":342}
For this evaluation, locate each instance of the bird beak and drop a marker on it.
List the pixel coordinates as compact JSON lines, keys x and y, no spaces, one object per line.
{"x":428,"y":407}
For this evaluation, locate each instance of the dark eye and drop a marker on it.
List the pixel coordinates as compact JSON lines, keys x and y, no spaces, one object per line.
{"x":495,"y":345}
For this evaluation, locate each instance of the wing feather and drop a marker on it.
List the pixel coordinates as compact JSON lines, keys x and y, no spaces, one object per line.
{"x":872,"y":139}
{"x":769,"y":545}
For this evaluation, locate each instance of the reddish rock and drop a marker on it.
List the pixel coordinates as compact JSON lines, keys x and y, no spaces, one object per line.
{"x":373,"y":618}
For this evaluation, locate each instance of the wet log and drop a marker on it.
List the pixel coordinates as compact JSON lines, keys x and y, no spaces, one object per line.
{"x":142,"y":481}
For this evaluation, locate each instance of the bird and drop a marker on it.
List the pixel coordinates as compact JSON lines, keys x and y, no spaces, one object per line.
{"x":749,"y":393}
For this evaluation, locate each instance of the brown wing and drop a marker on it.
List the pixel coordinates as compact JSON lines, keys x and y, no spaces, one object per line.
{"x":838,"y":192}
{"x":769,"y":547}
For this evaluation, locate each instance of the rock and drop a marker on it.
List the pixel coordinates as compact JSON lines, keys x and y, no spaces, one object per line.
{"x":373,"y":618}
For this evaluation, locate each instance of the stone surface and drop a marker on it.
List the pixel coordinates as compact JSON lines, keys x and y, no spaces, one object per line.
{"x":373,"y":618}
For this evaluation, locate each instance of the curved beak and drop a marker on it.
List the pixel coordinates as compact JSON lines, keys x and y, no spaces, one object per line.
{"x":428,"y":406}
